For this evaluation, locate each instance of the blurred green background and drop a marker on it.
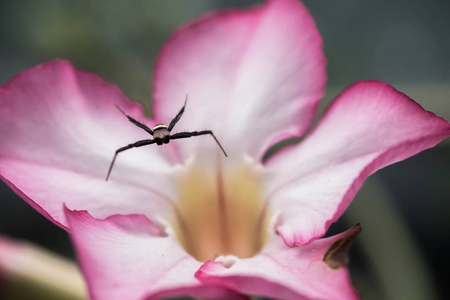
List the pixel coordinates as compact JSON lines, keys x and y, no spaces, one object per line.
{"x":404,"y":209}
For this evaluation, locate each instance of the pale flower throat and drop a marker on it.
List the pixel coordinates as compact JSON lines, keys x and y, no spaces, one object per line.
{"x":221,"y":213}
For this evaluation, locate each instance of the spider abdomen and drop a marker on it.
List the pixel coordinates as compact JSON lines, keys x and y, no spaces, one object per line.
{"x":161,"y":134}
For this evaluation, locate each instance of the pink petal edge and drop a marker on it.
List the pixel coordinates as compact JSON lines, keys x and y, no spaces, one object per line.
{"x":47,"y":109}
{"x":369,"y":126}
{"x":142,"y":261}
{"x":274,"y":47}
{"x":284,"y":273}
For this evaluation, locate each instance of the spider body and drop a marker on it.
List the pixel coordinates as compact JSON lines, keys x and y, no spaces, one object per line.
{"x":161,"y":135}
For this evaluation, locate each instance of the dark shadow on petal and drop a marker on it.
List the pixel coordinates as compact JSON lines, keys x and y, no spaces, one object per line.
{"x":337,"y":255}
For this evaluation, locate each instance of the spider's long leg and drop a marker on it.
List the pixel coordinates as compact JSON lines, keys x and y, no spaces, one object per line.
{"x":137,"y":123}
{"x":134,"y":145}
{"x":178,"y":116}
{"x":182,"y":135}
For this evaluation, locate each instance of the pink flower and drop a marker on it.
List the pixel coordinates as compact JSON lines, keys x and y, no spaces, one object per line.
{"x":182,"y":219}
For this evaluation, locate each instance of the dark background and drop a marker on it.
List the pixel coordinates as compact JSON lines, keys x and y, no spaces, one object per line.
{"x":404,"y":209}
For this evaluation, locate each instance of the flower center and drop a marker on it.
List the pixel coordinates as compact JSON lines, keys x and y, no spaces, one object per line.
{"x":221,"y":214}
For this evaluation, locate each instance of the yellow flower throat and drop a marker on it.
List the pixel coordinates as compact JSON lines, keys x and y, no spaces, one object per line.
{"x":221,"y":214}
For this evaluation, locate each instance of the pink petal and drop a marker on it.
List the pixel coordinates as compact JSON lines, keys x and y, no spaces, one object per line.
{"x":59,"y":131}
{"x":284,"y":273}
{"x":252,"y":77}
{"x":369,"y":126}
{"x":128,"y":257}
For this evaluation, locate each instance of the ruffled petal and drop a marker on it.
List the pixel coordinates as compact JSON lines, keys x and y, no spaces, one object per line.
{"x":59,"y":130}
{"x":128,"y":257}
{"x":252,"y":77}
{"x":369,"y":126}
{"x":284,"y":273}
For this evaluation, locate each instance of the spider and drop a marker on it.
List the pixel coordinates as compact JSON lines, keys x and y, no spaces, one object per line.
{"x":161,"y":135}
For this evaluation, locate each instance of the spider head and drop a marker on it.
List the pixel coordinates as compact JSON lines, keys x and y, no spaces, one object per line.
{"x":161,"y":134}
